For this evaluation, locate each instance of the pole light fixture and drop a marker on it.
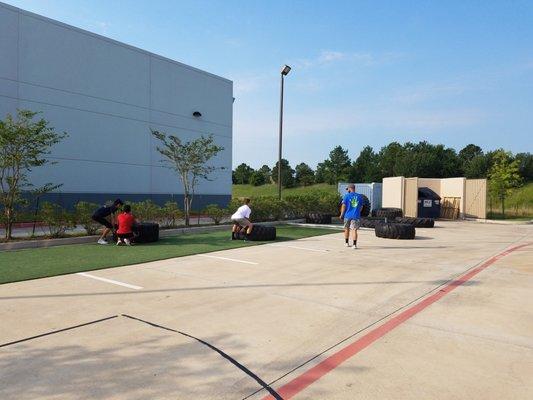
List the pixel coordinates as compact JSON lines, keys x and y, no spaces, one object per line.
{"x":284,"y":72}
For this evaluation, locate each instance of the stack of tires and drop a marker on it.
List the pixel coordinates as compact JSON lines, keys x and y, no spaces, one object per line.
{"x":387,"y":212}
{"x":318,"y":218}
{"x":146,"y":232}
{"x":365,"y":209}
{"x":260,"y":233}
{"x":371,"y":222}
{"x":416,"y":222}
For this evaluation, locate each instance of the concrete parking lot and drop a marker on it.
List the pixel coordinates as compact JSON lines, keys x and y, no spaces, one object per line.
{"x":448,"y":315}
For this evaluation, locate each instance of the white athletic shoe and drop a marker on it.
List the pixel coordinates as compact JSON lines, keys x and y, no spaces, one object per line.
{"x":355,"y":247}
{"x":347,"y":244}
{"x":102,"y":241}
{"x":119,"y":242}
{"x":127,"y":241}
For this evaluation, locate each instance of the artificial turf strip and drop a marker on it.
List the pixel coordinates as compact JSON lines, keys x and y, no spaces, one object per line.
{"x":20,"y":265}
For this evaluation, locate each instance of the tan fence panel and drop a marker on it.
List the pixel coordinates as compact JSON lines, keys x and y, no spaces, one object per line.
{"x":476,"y":198}
{"x":410,"y":204}
{"x":392,"y":192}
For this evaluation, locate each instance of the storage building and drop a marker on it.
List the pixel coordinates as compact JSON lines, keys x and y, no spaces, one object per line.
{"x":107,"y":96}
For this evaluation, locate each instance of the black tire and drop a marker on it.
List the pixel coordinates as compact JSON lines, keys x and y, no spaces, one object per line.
{"x":370,"y":222}
{"x":146,"y":232}
{"x":259,"y":233}
{"x":318,"y":218}
{"x":395,"y":231}
{"x":417,"y":222}
{"x":387,"y":212}
{"x":365,"y":209}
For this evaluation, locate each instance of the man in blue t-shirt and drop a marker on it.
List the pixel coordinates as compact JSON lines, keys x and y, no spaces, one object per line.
{"x":351,"y":212}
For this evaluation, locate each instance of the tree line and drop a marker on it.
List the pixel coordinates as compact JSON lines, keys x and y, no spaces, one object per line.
{"x":423,"y":159}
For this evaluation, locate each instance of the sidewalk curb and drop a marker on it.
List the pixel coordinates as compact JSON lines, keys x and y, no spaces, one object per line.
{"x":499,"y":221}
{"x":34,"y":244}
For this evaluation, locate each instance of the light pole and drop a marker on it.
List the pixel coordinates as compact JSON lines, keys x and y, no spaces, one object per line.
{"x":284,"y":72}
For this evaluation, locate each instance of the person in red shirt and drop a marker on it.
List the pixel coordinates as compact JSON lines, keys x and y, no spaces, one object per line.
{"x":125,"y":225}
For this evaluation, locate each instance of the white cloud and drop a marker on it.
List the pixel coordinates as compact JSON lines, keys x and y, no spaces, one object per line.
{"x":328,"y":57}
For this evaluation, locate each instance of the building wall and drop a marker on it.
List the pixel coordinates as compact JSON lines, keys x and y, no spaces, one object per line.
{"x":107,"y":96}
{"x":393,"y":192}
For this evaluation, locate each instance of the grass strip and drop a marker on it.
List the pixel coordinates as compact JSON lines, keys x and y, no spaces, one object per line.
{"x":20,"y":265}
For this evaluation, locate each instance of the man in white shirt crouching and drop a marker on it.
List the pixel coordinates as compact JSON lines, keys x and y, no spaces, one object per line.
{"x":241,"y":219}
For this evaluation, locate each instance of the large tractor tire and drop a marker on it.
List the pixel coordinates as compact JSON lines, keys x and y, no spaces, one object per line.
{"x":318,"y":218}
{"x":389,"y":213}
{"x":370,"y":222}
{"x":416,"y":222}
{"x":146,"y":232}
{"x":365,"y":210}
{"x":260,"y":233}
{"x":395,"y":231}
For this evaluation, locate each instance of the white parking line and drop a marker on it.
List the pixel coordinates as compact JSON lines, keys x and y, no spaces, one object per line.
{"x":228,"y":259}
{"x":299,"y":248}
{"x":109,"y":281}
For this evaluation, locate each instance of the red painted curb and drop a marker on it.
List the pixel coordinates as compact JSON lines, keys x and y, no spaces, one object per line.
{"x":310,"y":376}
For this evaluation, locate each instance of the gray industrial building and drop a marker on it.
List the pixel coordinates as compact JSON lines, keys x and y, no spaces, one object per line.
{"x":107,"y":95}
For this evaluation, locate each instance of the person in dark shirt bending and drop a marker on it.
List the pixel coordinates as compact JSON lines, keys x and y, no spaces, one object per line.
{"x":106,"y":216}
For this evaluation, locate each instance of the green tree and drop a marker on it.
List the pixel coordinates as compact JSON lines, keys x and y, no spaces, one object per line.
{"x":470,"y":151}
{"x":267,"y":173}
{"x":477,"y":167}
{"x":525,"y":165}
{"x":427,"y":161}
{"x":287,"y":174}
{"x":257,"y":178}
{"x":320,"y":173}
{"x":189,"y":160}
{"x":24,"y":145}
{"x":366,"y":167}
{"x":305,"y":175}
{"x":469,"y":154}
{"x":242,"y":174}
{"x":504,"y":176}
{"x":337,"y":166}
{"x":388,"y":158}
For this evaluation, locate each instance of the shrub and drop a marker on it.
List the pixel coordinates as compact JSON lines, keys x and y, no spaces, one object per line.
{"x":328,"y":203}
{"x":170,"y":214}
{"x":146,"y":211}
{"x":57,"y":219}
{"x":298,"y":206}
{"x":270,"y":208}
{"x":214,"y":212}
{"x":257,"y":178}
{"x":83,"y":215}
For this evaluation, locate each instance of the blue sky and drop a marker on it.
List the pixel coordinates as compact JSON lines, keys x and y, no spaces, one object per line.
{"x":364,"y":72}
